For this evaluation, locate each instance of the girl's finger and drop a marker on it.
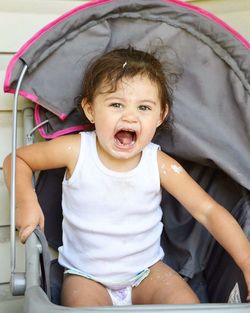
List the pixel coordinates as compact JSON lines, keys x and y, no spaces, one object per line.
{"x":25,"y":232}
{"x":41,"y":223}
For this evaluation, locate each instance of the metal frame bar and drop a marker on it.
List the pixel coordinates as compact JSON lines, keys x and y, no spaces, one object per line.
{"x":20,"y":281}
{"x":13,"y":183}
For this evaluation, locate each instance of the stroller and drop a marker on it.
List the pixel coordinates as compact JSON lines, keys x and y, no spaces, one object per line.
{"x":210,"y":138}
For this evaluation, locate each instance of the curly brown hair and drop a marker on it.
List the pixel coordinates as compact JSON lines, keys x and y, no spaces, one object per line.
{"x":120,"y":63}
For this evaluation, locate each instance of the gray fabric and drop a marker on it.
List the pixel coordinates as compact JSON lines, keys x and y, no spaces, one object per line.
{"x":45,"y":261}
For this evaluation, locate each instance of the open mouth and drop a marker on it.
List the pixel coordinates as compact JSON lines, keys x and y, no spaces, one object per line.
{"x":125,"y":138}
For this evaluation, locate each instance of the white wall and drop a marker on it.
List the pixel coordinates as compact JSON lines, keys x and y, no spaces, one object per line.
{"x":19,"y":20}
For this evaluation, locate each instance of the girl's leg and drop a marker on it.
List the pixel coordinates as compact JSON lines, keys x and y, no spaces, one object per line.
{"x":79,"y":291}
{"x":163,"y":285}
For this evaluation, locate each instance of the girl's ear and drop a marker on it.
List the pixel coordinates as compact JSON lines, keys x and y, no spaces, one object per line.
{"x":88,"y":110}
{"x":163,"y":115}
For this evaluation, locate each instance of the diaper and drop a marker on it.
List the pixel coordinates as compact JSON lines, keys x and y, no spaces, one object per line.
{"x":121,"y":296}
{"x":119,"y":291}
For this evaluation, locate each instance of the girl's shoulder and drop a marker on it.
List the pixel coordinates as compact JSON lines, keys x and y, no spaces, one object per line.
{"x":67,"y":140}
{"x":168,"y":165}
{"x":68,"y":149}
{"x":70,"y":143}
{"x":163,"y":157}
{"x":55,"y":153}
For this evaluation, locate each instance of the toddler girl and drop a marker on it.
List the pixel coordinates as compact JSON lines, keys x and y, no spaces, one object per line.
{"x":112,"y":191}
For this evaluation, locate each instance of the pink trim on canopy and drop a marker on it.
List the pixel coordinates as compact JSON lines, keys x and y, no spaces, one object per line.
{"x":40,"y":33}
{"x":92,"y":4}
{"x":25,"y":94}
{"x":63,"y":116}
{"x":214,"y":18}
{"x":58,"y":133}
{"x":35,"y":99}
{"x":199,"y":10}
{"x":63,"y":132}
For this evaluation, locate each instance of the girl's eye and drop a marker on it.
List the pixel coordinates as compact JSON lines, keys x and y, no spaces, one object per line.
{"x":116,"y":105}
{"x":144,"y":108}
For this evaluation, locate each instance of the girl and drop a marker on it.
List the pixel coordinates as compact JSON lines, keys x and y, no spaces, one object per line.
{"x":117,"y":173}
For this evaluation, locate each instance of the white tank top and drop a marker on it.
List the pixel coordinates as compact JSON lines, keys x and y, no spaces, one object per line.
{"x":112,"y":220}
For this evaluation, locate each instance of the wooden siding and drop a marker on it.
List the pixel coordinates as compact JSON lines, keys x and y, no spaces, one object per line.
{"x":19,"y":20}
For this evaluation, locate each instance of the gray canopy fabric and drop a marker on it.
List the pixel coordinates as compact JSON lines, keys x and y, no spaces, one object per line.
{"x":212,"y":105}
{"x":211,"y":133}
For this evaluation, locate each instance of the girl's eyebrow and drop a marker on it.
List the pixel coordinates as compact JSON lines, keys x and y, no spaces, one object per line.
{"x":114,"y":98}
{"x":148,"y":101}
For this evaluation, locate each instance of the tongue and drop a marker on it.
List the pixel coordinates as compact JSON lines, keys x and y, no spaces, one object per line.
{"x":125,"y":137}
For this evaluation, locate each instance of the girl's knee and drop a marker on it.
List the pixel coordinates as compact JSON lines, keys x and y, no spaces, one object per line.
{"x":164,"y":286}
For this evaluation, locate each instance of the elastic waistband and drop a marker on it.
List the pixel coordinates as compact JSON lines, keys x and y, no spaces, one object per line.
{"x":133,"y":282}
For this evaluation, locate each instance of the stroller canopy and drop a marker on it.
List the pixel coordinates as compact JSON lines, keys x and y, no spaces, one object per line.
{"x":211,"y":106}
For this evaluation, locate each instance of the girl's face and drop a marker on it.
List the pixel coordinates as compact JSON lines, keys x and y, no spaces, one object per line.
{"x":125,"y":120}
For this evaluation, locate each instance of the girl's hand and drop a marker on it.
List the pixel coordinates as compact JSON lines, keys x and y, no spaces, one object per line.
{"x":27,"y":219}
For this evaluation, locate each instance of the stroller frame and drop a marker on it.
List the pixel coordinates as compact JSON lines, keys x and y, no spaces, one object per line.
{"x":30,"y":282}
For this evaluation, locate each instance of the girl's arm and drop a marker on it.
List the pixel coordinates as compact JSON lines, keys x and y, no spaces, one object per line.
{"x":219,"y":222}
{"x":61,"y":152}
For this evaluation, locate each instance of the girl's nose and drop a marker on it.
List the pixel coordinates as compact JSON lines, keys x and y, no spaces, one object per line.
{"x":130,"y":115}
